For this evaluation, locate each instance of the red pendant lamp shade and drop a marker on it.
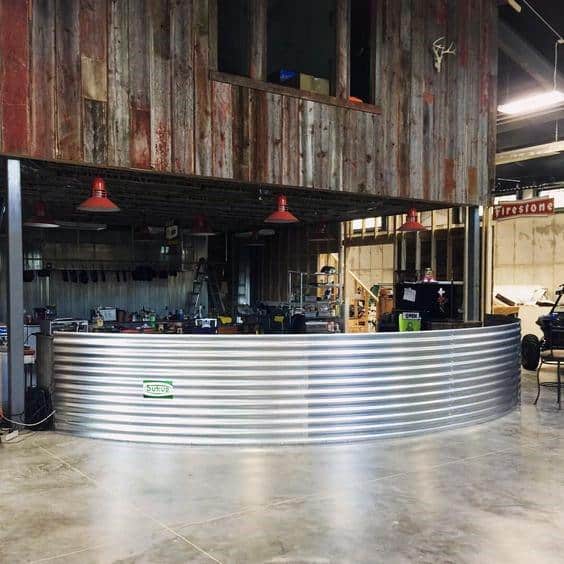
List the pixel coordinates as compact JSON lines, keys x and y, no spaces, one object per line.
{"x":281,"y":215}
{"x":40,"y":217}
{"x":412,"y":224}
{"x":98,"y":201}
{"x":200,"y":227}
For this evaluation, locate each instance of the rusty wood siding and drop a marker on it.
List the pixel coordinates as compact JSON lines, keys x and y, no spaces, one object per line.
{"x":258,"y":41}
{"x":127,"y":83}
{"x":222,"y":134}
{"x":159,"y":83}
{"x":343,"y":17}
{"x":290,"y":141}
{"x":119,"y":122}
{"x":42,"y":99}
{"x":182,"y":87}
{"x":14,"y":76}
{"x":94,"y":72}
{"x":69,"y":97}
{"x":139,"y":108}
{"x":202,"y":90}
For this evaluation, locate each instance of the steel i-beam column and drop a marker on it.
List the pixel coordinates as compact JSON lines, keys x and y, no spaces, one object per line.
{"x":16,"y":382}
{"x":472,"y":265}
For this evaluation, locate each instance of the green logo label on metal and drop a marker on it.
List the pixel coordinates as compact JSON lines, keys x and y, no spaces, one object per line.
{"x":159,"y":389}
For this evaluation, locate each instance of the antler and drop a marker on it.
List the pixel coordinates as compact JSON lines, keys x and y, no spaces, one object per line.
{"x":451,"y":49}
{"x":439,"y":51}
{"x":437,"y":47}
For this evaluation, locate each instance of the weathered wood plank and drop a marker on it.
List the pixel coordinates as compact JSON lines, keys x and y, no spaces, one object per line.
{"x":139,"y":83}
{"x":337,"y":142}
{"x":241,"y":133}
{"x":14,"y":76}
{"x":332,"y":178}
{"x":160,"y":84}
{"x":257,"y":44}
{"x":95,"y":132}
{"x":93,"y":29}
{"x":202,"y":89}
{"x":94,"y":71}
{"x":359,"y":150}
{"x":118,"y":84}
{"x":42,"y":100}
{"x":290,"y":141}
{"x":213,"y":40}
{"x":274,"y":145}
{"x":324,"y":115}
{"x":93,"y":23}
{"x":306,"y":142}
{"x":370,"y":144}
{"x":342,"y":71}
{"x":318,"y":155}
{"x":222,"y":134}
{"x":182,"y":87}
{"x":404,"y":89}
{"x":259,"y":145}
{"x":247,"y":82}
{"x":67,"y":43}
{"x":417,"y":67}
{"x":491,"y":62}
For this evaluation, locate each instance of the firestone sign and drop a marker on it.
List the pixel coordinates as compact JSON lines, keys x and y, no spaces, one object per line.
{"x":524,"y":208}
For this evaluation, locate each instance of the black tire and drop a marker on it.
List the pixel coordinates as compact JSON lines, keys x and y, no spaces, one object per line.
{"x":530,"y":352}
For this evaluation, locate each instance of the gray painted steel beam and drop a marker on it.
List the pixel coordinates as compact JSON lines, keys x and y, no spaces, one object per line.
{"x":527,"y":57}
{"x":16,"y":387}
{"x":472,"y":265}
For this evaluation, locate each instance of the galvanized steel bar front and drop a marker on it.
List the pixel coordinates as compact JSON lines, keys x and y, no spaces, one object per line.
{"x":284,"y":389}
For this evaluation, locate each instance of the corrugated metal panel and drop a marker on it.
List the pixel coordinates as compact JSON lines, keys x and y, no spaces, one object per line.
{"x":250,"y":389}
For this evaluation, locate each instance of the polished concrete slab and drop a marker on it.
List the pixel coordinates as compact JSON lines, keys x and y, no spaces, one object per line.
{"x":492,"y":493}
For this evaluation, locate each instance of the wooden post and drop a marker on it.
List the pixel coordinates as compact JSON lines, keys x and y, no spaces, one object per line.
{"x":257,"y":25}
{"x":342,"y":71}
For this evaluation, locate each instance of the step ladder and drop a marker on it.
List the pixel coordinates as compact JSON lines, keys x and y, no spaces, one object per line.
{"x":205,"y":275}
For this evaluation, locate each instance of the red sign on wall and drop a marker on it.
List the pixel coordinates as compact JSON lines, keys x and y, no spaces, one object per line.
{"x":524,"y":208}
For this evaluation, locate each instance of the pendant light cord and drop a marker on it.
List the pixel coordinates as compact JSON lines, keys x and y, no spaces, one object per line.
{"x":557,"y":44}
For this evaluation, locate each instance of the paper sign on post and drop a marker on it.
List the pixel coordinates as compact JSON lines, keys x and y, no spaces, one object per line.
{"x":409,"y":294}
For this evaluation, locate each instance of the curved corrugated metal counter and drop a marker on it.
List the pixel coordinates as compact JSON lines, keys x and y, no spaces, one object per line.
{"x":268,"y":389}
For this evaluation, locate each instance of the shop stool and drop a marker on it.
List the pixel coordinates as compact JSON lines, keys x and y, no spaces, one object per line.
{"x":552,"y":356}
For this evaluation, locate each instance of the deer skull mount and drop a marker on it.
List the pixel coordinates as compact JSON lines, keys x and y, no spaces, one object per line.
{"x":440,"y":50}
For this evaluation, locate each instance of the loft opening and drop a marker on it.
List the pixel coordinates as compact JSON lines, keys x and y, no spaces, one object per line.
{"x":294,"y":43}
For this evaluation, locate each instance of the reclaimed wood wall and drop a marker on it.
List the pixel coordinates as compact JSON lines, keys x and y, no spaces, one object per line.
{"x":130,"y":83}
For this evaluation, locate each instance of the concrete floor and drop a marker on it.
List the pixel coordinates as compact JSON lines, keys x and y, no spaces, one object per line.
{"x":493,"y":493}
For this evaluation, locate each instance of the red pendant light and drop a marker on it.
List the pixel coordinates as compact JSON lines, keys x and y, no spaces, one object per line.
{"x":281,"y":215}
{"x":201,"y":227}
{"x":98,"y":201}
{"x":40,"y":217}
{"x":412,"y":224}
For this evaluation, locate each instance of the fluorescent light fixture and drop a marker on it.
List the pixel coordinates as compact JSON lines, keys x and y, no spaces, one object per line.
{"x":533,"y":103}
{"x":528,"y":153}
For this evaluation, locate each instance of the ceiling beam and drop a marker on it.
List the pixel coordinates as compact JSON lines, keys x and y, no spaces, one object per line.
{"x":527,"y":57}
